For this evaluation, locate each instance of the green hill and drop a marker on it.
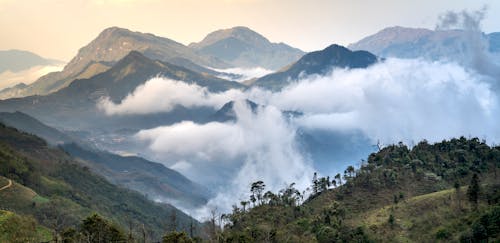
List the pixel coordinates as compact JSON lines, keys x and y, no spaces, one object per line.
{"x":152,"y":179}
{"x":398,"y":195}
{"x":58,"y":193}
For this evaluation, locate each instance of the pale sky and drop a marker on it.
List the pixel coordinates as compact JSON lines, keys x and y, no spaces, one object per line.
{"x":58,"y":28}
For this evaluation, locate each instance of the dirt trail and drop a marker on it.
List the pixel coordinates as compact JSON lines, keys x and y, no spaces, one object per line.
{"x":7,"y":186}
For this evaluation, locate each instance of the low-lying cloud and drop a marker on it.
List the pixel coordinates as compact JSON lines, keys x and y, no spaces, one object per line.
{"x":391,"y":101}
{"x":259,"y":145}
{"x":243,"y":74}
{"x":395,"y":100}
{"x":162,"y":95}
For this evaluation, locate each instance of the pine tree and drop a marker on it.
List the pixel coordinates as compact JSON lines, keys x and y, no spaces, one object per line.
{"x":473,"y":191}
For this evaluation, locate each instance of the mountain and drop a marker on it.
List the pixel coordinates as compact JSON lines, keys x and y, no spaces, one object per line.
{"x":243,"y":47}
{"x":54,"y":189}
{"x":151,"y":179}
{"x":18,"y":68}
{"x":111,"y":45}
{"x":31,"y":125}
{"x":404,"y":42}
{"x":318,"y":62}
{"x":135,"y":173}
{"x":18,"y":60}
{"x":74,"y":107}
{"x":227,"y":113}
{"x":443,"y":192}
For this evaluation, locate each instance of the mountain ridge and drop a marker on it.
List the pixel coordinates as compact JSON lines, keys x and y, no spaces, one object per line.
{"x":317,"y":62}
{"x":405,"y":42}
{"x":243,"y":47}
{"x":110,"y":46}
{"x":76,"y":104}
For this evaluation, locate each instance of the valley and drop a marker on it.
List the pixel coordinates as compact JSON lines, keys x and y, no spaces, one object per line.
{"x":238,"y":137}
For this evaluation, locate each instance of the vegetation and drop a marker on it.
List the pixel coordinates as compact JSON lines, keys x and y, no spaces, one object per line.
{"x":444,"y":192}
{"x":398,"y":194}
{"x":52,"y":190}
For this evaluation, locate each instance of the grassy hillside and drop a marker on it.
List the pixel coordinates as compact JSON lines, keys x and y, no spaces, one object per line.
{"x":398,"y":195}
{"x":58,"y":193}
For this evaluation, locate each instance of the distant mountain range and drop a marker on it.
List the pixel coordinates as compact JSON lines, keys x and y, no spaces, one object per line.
{"x":243,"y":47}
{"x":317,"y":62}
{"x":405,"y":42}
{"x":18,"y":60}
{"x":75,"y":106}
{"x":18,"y":68}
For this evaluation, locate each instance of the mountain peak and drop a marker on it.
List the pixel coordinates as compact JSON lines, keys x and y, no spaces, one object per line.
{"x":238,"y":32}
{"x":243,"y":47}
{"x":318,"y":62}
{"x":114,"y":29}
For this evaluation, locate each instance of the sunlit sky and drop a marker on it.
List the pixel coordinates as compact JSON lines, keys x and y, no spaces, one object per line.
{"x":58,"y":28}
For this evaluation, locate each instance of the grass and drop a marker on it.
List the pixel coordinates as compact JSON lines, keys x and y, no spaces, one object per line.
{"x":418,"y":219}
{"x":4,"y":215}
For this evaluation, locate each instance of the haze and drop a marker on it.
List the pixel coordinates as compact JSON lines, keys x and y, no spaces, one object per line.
{"x":57,"y":29}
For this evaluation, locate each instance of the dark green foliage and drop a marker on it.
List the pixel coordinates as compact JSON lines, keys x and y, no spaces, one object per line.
{"x":96,"y":229}
{"x":391,"y":220}
{"x":388,"y":183}
{"x":326,"y":234}
{"x":488,"y":226}
{"x":70,"y":192}
{"x":474,"y":190}
{"x":176,"y":237}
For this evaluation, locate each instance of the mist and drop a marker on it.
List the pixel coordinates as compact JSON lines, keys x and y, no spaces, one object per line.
{"x":243,"y":74}
{"x":162,"y":95}
{"x":391,"y":101}
{"x":228,"y":157}
{"x":394,"y":100}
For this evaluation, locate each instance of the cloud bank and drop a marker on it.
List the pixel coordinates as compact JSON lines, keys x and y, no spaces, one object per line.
{"x":391,"y":101}
{"x":162,"y":95}
{"x":259,"y":145}
{"x":395,"y":100}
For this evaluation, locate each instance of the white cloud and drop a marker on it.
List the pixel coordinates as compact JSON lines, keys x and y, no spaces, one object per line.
{"x":259,"y":145}
{"x":243,"y":73}
{"x":181,"y":166}
{"x":162,"y":95}
{"x":395,"y":100}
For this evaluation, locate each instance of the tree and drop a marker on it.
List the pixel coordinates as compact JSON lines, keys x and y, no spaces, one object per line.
{"x":315,"y":183}
{"x":457,"y":190}
{"x":339,"y":178}
{"x":244,"y":204}
{"x":97,"y":229}
{"x":257,"y":189}
{"x":350,"y":170}
{"x":173,"y":220}
{"x":391,"y":220}
{"x":473,"y":190}
{"x":176,"y":237}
